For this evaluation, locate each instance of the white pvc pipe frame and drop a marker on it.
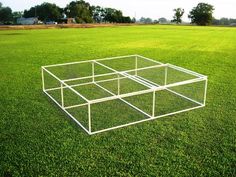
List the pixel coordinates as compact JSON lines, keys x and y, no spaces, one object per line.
{"x":151,"y":87}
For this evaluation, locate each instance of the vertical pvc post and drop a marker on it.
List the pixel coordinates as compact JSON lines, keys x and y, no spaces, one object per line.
{"x":89,"y":117}
{"x":43,"y":80}
{"x":93,"y":70}
{"x":205,"y":93}
{"x":153,"y":103}
{"x":166,"y":74}
{"x":136,"y":65}
{"x":118,"y":85}
{"x":62,"y":96}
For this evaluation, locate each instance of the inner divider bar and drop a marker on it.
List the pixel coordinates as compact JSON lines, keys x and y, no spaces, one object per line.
{"x":86,"y":83}
{"x":149,"y":85}
{"x":143,"y":112}
{"x":113,"y":73}
{"x":96,"y":82}
{"x":121,"y":96}
{"x":125,"y":74}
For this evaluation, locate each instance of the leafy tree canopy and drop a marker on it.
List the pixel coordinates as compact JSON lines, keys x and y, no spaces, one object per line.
{"x":17,"y":15}
{"x":109,"y":15}
{"x":145,"y":20}
{"x":5,"y":14}
{"x":45,"y":12}
{"x":202,"y":14}
{"x":162,"y":20}
{"x":178,"y":15}
{"x":80,"y":10}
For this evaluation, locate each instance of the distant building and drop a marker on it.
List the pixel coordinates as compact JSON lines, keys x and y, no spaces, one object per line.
{"x":233,"y":24}
{"x":27,"y":21}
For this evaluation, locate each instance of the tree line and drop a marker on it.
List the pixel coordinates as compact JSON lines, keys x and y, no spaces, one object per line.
{"x":80,"y":10}
{"x":83,"y":12}
{"x":224,"y":21}
{"x":202,"y":15}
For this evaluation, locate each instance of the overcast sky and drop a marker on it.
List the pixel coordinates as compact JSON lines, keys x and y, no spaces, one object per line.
{"x":146,"y":8}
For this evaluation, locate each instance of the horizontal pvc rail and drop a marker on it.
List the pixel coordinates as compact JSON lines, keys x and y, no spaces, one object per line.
{"x":185,"y":70}
{"x":113,"y":73}
{"x":124,"y":74}
{"x":128,"y":94}
{"x":146,"y":91}
{"x":143,"y":91}
{"x":89,"y":61}
{"x":86,"y":83}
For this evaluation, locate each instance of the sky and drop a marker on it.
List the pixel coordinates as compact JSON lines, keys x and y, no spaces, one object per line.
{"x":140,"y":8}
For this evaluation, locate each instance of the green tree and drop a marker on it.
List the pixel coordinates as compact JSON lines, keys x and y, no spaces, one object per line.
{"x":84,"y":13}
{"x":133,"y":20}
{"x":45,"y":12}
{"x":109,"y":15}
{"x":202,"y":14}
{"x":112,"y":15}
{"x":98,"y":14}
{"x":80,"y":10}
{"x":16,"y":15}
{"x":5,"y":15}
{"x":178,"y":15}
{"x":162,"y":20}
{"x":127,"y":20}
{"x":145,"y":20}
{"x":224,"y":21}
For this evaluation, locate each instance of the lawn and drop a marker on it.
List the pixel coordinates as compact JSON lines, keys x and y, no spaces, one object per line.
{"x":38,"y":139}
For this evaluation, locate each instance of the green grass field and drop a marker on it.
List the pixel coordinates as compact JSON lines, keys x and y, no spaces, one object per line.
{"x":38,"y":139}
